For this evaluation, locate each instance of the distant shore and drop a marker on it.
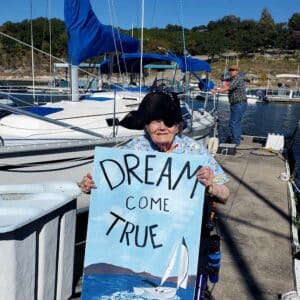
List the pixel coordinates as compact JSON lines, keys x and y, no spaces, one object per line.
{"x":260,"y":67}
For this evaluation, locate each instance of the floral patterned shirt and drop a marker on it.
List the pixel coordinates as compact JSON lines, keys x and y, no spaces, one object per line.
{"x":182,"y":144}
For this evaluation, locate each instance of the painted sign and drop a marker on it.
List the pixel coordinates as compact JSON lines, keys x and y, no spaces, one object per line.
{"x":144,"y":226}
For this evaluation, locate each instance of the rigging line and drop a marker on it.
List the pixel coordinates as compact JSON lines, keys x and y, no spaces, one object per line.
{"x":180,"y":3}
{"x":5,"y":167}
{"x":137,"y":14}
{"x":48,"y":21}
{"x":32,"y":54}
{"x":295,"y":185}
{"x":113,"y":33}
{"x":31,"y":46}
{"x":40,"y":51}
{"x":142,"y":45}
{"x":152,"y":24}
{"x":44,"y":29}
{"x":50,"y":40}
{"x":122,"y":50}
{"x":75,"y":165}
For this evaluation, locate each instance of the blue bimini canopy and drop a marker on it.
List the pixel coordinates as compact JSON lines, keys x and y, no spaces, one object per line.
{"x":190,"y":64}
{"x":130,"y":62}
{"x":88,"y":37}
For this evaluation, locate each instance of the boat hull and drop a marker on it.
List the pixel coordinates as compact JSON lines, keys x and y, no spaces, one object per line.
{"x":155,"y":292}
{"x":251,"y":98}
{"x":40,"y":161}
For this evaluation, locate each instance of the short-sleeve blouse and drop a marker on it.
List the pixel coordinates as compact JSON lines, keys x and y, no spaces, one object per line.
{"x":182,"y":145}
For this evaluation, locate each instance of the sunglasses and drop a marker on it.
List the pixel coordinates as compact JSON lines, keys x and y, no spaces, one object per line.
{"x":232,"y":70}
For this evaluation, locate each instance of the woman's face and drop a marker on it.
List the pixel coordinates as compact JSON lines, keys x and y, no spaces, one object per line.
{"x":162,"y":135}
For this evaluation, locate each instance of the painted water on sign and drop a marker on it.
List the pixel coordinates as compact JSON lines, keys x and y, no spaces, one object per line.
{"x":114,"y":283}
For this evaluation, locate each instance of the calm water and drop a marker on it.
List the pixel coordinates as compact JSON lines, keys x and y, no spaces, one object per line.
{"x":120,"y":287}
{"x":262,"y":118}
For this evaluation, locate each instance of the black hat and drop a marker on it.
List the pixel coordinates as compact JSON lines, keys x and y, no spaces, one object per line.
{"x":154,"y":106}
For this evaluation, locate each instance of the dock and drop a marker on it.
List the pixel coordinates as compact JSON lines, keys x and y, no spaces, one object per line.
{"x":255,"y":227}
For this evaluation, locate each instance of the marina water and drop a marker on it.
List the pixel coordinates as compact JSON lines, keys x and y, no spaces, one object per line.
{"x":262,"y":118}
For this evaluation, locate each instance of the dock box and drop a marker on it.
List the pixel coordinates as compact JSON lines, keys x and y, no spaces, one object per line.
{"x":227,"y":149}
{"x":37,"y":233}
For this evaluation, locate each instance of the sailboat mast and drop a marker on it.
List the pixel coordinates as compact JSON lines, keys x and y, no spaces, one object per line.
{"x":74,"y":83}
{"x":142,"y":46}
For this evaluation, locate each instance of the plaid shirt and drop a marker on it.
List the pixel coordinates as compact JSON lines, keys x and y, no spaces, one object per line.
{"x":183,"y":145}
{"x":237,"y":90}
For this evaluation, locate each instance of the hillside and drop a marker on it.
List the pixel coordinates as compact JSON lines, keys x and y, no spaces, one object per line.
{"x":258,"y":67}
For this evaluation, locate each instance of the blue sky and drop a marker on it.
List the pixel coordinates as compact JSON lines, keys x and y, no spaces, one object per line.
{"x":158,"y":13}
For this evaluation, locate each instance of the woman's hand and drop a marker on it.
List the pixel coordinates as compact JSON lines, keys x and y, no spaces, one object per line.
{"x":206,"y":176}
{"x":87,"y":183}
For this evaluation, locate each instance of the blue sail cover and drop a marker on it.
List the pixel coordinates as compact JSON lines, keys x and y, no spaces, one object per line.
{"x":130,"y":62}
{"x":191,"y":64}
{"x":88,"y":37}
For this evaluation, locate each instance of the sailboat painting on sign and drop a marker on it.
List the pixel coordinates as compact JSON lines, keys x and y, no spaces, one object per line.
{"x":161,"y":292}
{"x":144,"y":226}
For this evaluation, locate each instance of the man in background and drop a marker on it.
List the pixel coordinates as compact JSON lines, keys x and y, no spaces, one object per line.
{"x":236,"y":89}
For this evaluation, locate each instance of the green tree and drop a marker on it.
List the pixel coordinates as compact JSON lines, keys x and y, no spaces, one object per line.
{"x":294,"y":22}
{"x":294,"y":29}
{"x":266,"y":30}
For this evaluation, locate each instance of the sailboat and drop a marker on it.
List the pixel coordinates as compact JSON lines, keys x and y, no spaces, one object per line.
{"x":164,"y":292}
{"x":97,"y":113}
{"x":57,"y":141}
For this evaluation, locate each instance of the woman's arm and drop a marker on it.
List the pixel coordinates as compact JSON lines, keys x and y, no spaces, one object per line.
{"x":220,"y":191}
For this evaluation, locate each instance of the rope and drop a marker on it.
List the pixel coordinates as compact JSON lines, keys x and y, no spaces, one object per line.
{"x":142,"y":44}
{"x":180,"y":2}
{"x":32,"y":57}
{"x":113,"y":33}
{"x":40,"y":51}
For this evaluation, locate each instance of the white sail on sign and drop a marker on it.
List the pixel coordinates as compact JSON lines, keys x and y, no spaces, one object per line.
{"x":162,"y":292}
{"x":184,"y":266}
{"x":170,"y":265}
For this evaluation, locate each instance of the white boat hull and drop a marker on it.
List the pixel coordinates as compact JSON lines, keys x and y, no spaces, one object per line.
{"x":251,"y":99}
{"x":90,"y":115}
{"x":35,"y":150}
{"x":155,"y":292}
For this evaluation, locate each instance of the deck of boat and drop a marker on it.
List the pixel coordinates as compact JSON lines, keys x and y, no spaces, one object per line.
{"x":255,"y":227}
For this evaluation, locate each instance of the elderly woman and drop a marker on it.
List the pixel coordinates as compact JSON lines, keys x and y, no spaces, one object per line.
{"x":159,"y":114}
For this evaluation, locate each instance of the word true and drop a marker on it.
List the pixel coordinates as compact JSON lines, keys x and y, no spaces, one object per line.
{"x":131,"y":169}
{"x":131,"y":233}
